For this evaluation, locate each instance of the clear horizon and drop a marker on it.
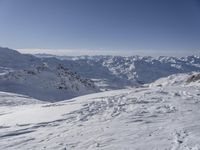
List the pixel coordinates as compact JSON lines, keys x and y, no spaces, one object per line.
{"x":77,"y":52}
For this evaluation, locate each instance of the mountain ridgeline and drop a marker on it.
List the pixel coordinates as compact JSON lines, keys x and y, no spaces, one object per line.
{"x":32,"y":76}
{"x":54,"y":78}
{"x":117,"y":72}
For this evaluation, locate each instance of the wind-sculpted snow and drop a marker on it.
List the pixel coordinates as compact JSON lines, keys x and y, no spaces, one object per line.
{"x":151,"y":117}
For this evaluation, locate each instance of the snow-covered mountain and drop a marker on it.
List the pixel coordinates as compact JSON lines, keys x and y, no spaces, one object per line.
{"x":115,"y":72}
{"x":151,"y":117}
{"x":45,"y":83}
{"x":161,"y":111}
{"x":29,"y":75}
{"x":11,"y":99}
{"x":11,"y":59}
{"x":107,"y":73}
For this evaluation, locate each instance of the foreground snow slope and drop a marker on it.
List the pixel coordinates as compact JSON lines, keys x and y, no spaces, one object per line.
{"x":11,"y":99}
{"x":159,"y":117}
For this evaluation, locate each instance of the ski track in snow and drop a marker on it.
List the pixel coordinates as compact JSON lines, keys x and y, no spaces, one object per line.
{"x":142,"y":118}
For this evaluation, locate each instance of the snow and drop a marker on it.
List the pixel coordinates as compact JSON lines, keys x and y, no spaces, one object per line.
{"x":107,"y":72}
{"x":12,"y":59}
{"x":149,"y":117}
{"x":47,"y":84}
{"x":32,"y":76}
{"x":117,"y":72}
{"x":11,"y":99}
{"x":158,"y":109}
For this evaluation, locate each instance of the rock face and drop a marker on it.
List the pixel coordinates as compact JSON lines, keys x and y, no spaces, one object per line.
{"x":194,"y":78}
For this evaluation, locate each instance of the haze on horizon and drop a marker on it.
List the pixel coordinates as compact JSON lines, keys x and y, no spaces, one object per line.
{"x":101,"y":27}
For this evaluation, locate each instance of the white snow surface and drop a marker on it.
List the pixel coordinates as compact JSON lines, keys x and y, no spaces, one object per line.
{"x":151,"y":117}
{"x":47,"y":84}
{"x":11,"y":99}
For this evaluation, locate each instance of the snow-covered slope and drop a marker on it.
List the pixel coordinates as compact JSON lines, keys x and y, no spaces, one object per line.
{"x":152,"y":117}
{"x":11,"y":99}
{"x":108,"y":72}
{"x":12,"y":59}
{"x":45,"y":83}
{"x":178,"y":79}
{"x":17,"y":73}
{"x":114,"y":72}
{"x":32,"y":76}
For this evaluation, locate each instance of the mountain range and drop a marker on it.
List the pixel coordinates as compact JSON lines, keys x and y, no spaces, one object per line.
{"x":98,"y":102}
{"x":118,"y":72}
{"x":161,"y":115}
{"x":55,"y":78}
{"x":32,"y":76}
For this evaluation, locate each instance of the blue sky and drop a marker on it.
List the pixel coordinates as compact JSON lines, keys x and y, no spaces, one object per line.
{"x":130,"y":25}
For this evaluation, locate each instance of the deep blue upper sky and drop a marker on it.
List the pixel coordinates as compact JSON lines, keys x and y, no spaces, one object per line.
{"x":101,"y":24}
